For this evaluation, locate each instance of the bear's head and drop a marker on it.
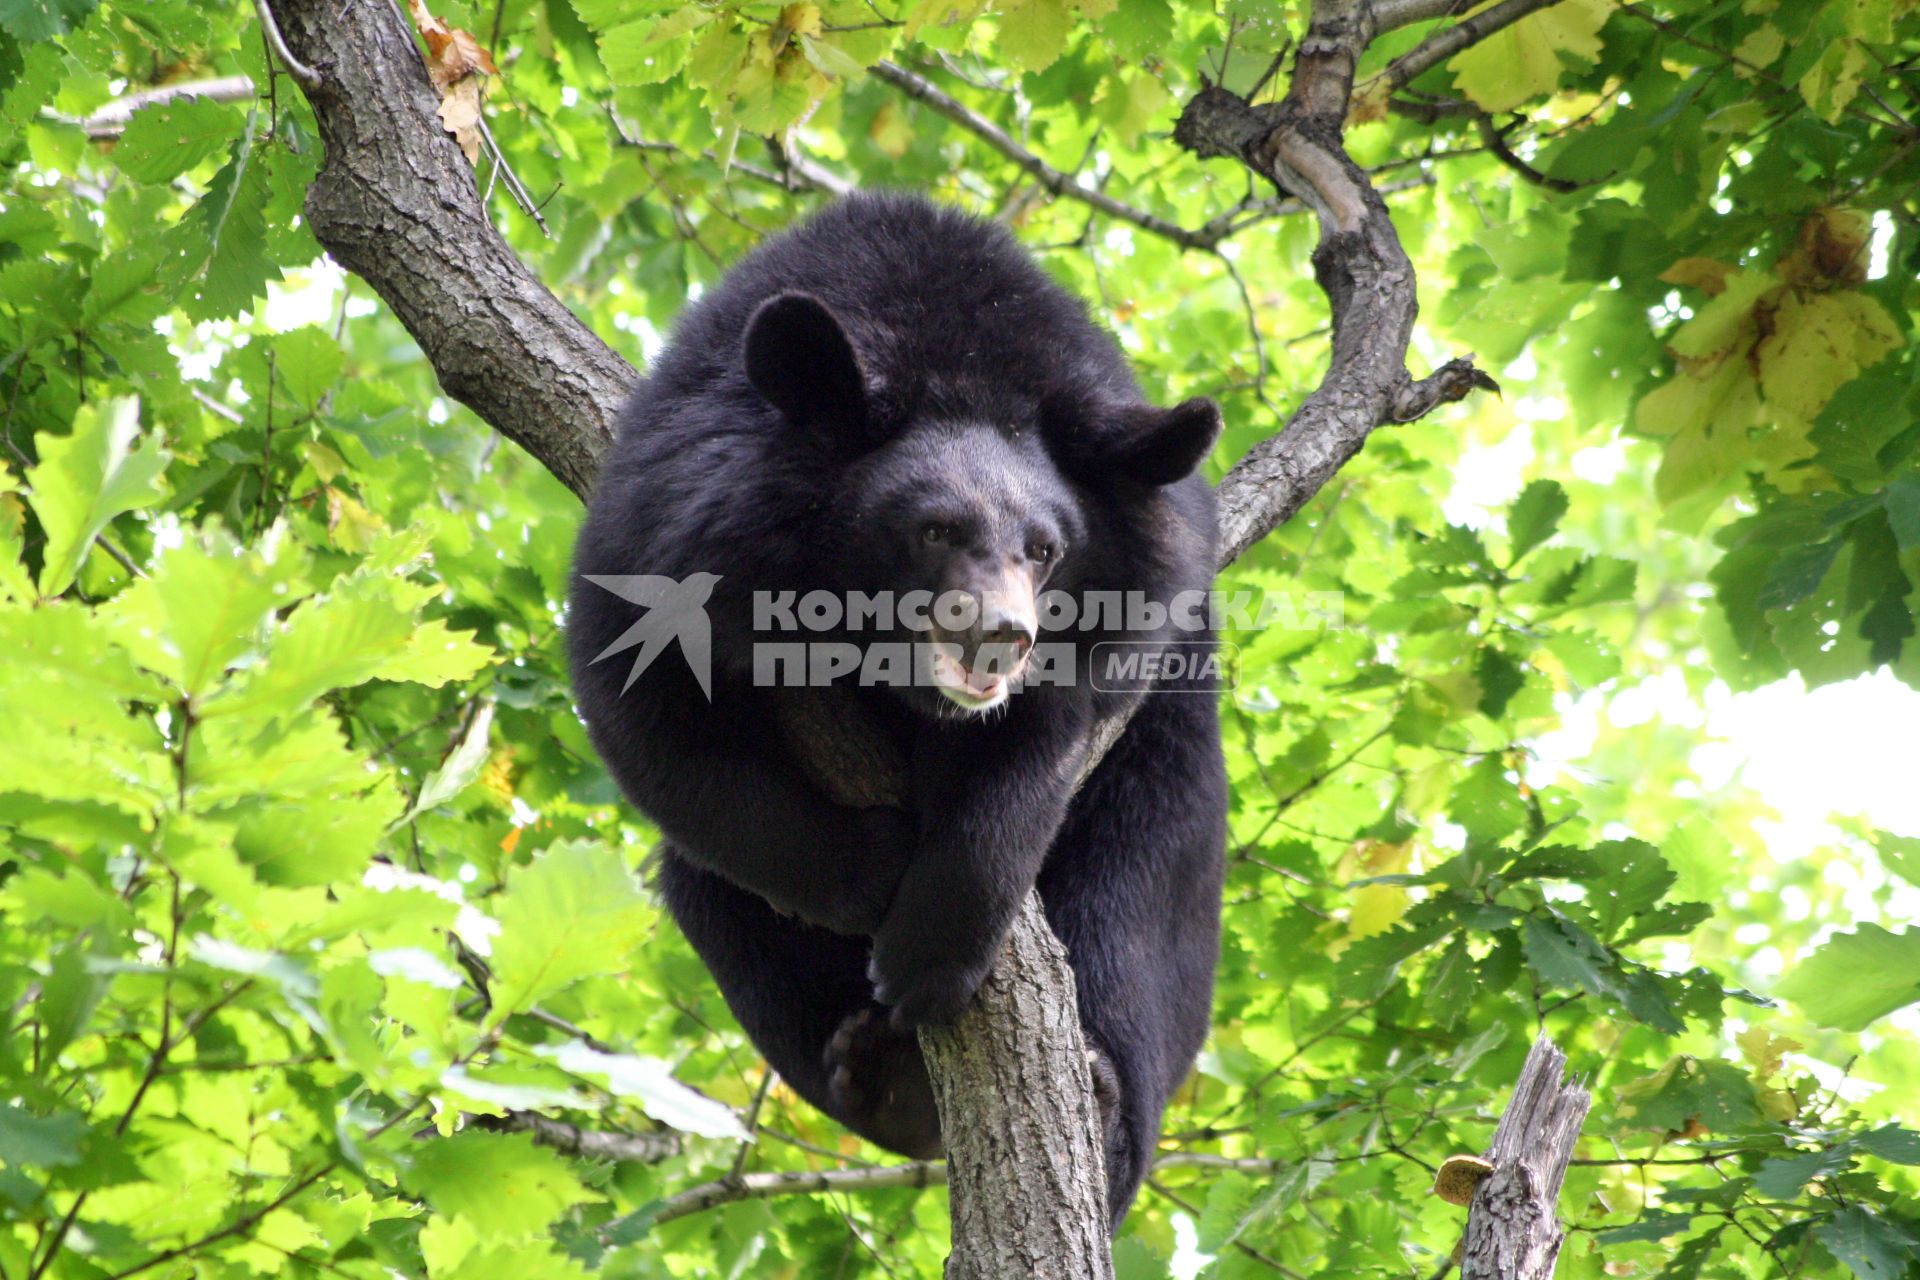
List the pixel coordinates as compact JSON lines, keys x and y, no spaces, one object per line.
{"x":976,"y":499}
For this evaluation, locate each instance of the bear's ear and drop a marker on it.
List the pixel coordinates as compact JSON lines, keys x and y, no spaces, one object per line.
{"x":802,"y":361}
{"x":1144,"y":443}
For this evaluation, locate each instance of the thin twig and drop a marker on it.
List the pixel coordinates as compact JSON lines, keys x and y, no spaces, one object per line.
{"x":306,"y":75}
{"x":1060,"y":184}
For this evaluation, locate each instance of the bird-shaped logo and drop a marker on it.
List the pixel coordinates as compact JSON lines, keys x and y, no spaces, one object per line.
{"x":676,"y":610}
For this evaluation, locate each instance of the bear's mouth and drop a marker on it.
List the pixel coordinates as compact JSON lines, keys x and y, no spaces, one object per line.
{"x":979,"y":676}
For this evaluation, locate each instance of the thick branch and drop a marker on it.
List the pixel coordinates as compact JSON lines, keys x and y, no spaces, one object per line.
{"x":1391,"y":15}
{"x":396,"y":204}
{"x":1513,"y":1231}
{"x":1440,"y":46}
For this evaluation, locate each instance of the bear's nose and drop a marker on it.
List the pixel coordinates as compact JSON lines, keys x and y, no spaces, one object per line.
{"x":1012,"y":635}
{"x":1009,"y":615}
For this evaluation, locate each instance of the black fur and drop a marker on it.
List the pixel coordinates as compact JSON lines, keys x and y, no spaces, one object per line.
{"x":894,"y":396}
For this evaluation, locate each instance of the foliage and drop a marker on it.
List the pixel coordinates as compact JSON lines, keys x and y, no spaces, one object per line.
{"x":308,"y":870}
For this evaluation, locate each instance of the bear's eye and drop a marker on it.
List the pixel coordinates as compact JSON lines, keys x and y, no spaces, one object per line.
{"x":935,"y":534}
{"x":1043,"y":552}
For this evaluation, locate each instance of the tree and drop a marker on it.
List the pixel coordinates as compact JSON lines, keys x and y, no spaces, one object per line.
{"x":319,"y":635}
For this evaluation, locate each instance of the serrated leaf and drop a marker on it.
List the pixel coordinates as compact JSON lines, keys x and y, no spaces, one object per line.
{"x":1535,"y":516}
{"x":32,"y":20}
{"x":308,"y":363}
{"x":1033,"y":33}
{"x":1873,"y":1247}
{"x":46,"y":1141}
{"x":204,"y":605}
{"x":1856,"y":977}
{"x":503,"y":1185}
{"x":162,"y":142}
{"x":1716,"y":1095}
{"x":221,"y":244}
{"x":86,"y":478}
{"x":576,"y":911}
{"x":1523,"y":60}
{"x":1784,"y":1177}
{"x":1891,"y":1142}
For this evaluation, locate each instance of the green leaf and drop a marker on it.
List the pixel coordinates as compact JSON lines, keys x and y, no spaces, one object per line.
{"x":205,"y":605}
{"x":1658,"y":1224}
{"x":1902,"y":498}
{"x":501,"y":1184}
{"x":1500,"y":677}
{"x":1783,"y":1178}
{"x":1034,"y":32}
{"x":88,"y":477}
{"x":1856,"y":977}
{"x":1891,"y":1142}
{"x":462,"y":765}
{"x":67,"y":1000}
{"x":308,"y":363}
{"x":163,"y":142}
{"x":47,"y":1141}
{"x":1716,"y":1094}
{"x":1487,"y":802}
{"x":576,"y":911}
{"x":1872,"y":1247}
{"x":221,"y":245}
{"x":1566,"y":956}
{"x":1535,"y":516}
{"x":650,"y":1083}
{"x":363,"y":628}
{"x":31,"y":20}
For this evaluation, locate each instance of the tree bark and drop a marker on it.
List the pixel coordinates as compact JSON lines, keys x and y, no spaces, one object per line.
{"x":1029,"y":1191}
{"x":396,"y":203}
{"x":1513,"y":1228}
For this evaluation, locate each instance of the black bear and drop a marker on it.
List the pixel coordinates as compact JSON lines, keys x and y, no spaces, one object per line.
{"x":892,"y":401}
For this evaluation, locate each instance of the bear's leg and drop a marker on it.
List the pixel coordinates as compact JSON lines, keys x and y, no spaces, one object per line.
{"x":1132,"y":888}
{"x":801,"y":993}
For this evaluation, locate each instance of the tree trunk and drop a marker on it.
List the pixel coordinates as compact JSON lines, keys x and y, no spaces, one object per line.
{"x":1029,"y":1193}
{"x":396,"y":203}
{"x":1513,"y":1229}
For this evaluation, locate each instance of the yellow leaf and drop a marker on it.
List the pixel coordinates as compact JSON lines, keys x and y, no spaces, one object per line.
{"x":1727,"y":324}
{"x":1034,"y":32}
{"x":890,"y":131}
{"x":1763,"y":1050}
{"x":325,"y":462}
{"x":1763,"y":44}
{"x":1709,"y":419}
{"x":1523,"y":61}
{"x":799,"y":20}
{"x":1819,"y":342}
{"x":1704,"y":274}
{"x":351,"y":526}
{"x":1376,"y":907}
{"x":1831,"y":83}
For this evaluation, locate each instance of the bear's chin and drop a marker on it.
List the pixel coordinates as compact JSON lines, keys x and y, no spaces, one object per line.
{"x":970,"y":703}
